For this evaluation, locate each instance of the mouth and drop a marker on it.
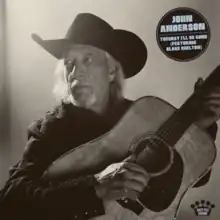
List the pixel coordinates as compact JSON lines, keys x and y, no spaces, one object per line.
{"x":80,"y":88}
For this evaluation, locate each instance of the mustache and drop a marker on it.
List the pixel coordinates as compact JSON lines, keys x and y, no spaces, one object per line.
{"x":78,"y":83}
{"x":76,"y":87}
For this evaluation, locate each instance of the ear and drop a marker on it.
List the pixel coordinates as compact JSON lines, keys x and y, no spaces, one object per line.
{"x":111,"y":75}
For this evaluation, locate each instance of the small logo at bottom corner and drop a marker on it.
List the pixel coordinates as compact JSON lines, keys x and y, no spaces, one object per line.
{"x":202,"y":208}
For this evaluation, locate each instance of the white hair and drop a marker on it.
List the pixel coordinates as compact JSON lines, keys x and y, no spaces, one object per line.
{"x":117,"y":85}
{"x":60,"y":88}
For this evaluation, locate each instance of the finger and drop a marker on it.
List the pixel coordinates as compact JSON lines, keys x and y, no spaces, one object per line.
{"x":212,"y":110}
{"x":208,"y":117}
{"x":211,"y":104}
{"x":130,"y":194}
{"x":125,"y":174}
{"x":128,"y":185}
{"x":138,"y":177}
{"x":134,"y":185}
{"x":136,"y":168}
{"x":125,"y":193}
{"x":198,"y":83}
{"x":129,"y":180}
{"x":131,"y":158}
{"x":212,"y":96}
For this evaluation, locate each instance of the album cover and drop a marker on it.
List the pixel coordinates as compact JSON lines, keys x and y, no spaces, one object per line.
{"x":109,"y":110}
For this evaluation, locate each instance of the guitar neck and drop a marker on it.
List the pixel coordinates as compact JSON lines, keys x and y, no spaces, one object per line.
{"x":179,"y":122}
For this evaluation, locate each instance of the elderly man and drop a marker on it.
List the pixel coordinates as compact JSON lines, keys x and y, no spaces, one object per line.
{"x":94,"y":61}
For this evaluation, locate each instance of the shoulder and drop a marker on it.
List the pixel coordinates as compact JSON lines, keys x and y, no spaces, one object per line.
{"x":42,"y":126}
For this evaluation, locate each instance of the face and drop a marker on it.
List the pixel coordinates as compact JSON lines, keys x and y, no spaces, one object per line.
{"x":88,"y":77}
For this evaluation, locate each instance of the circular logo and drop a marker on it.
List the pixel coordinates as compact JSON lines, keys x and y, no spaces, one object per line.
{"x":183,"y":34}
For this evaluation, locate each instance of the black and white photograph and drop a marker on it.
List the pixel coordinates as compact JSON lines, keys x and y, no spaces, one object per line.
{"x":109,"y":110}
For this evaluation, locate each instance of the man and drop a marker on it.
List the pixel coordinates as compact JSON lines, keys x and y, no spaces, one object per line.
{"x":95,"y":59}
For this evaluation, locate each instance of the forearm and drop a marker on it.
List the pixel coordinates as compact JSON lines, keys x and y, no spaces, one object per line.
{"x":36,"y":199}
{"x":26,"y":194}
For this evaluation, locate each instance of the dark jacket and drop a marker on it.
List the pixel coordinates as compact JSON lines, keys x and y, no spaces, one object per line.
{"x":25,"y":196}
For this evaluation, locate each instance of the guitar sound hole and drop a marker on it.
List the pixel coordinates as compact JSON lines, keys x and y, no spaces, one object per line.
{"x":154,"y":155}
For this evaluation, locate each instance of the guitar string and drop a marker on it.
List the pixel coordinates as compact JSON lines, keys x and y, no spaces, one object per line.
{"x":165,"y":131}
{"x":195,"y":96}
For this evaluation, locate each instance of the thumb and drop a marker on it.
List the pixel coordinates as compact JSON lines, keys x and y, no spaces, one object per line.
{"x":198,"y":83}
{"x":132,"y":158}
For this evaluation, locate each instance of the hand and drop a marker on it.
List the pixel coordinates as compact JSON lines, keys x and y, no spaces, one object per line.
{"x":210,"y":106}
{"x":122,"y":180}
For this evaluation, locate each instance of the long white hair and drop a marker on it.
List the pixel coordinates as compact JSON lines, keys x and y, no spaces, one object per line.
{"x":60,"y":88}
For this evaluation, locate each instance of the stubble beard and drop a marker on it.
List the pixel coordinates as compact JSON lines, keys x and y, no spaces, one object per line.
{"x":83,"y":97}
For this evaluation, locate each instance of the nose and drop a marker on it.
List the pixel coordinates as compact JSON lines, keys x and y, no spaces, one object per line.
{"x":77,"y":73}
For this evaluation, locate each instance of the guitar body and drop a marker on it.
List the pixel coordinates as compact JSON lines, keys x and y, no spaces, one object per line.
{"x":194,"y":154}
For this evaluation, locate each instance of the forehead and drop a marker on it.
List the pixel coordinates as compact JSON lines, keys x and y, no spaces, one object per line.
{"x":75,"y":51}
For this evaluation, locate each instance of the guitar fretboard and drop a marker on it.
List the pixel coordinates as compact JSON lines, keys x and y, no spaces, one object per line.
{"x":179,"y":122}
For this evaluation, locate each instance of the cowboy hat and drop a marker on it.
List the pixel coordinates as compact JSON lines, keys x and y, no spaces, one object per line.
{"x":89,"y":29}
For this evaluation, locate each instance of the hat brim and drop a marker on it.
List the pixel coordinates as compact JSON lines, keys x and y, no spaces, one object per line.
{"x":124,"y":46}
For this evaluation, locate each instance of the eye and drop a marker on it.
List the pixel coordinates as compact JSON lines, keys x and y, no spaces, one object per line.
{"x":87,"y":60}
{"x":69,"y":65}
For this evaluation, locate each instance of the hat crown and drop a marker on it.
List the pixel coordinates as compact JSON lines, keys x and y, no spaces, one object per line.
{"x":85,"y":24}
{"x":88,"y":29}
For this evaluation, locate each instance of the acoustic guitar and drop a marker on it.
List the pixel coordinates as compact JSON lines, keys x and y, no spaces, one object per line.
{"x":165,"y":141}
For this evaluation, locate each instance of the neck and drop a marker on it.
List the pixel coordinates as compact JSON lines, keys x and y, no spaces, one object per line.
{"x":98,"y":107}
{"x":104,"y":106}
